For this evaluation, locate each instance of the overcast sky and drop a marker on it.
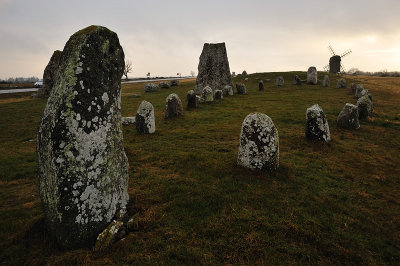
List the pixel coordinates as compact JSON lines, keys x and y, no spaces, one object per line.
{"x":165,"y":37}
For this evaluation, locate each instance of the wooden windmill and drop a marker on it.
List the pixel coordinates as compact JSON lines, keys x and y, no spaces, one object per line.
{"x":335,"y":62}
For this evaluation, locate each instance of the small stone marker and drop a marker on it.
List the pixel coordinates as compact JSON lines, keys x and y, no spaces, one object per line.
{"x":325,"y":81}
{"x":259,"y":143}
{"x":280,"y":81}
{"x":348,"y":117}
{"x":129,"y":120}
{"x":218,"y":95}
{"x":342,"y":83}
{"x":213,"y":68}
{"x":173,"y":106}
{"x":261,"y":85}
{"x":312,"y":75}
{"x":316,"y":124}
{"x":49,"y":75}
{"x":164,"y":85}
{"x":150,"y":87}
{"x":82,"y":166}
{"x":296,"y":80}
{"x":145,"y":121}
{"x":191,"y":99}
{"x":174,"y":82}
{"x":207,"y":95}
{"x":241,"y":88}
{"x":227,"y":90}
{"x":365,"y":106}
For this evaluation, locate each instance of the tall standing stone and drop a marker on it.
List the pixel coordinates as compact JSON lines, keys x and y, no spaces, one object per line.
{"x":49,"y":75}
{"x":296,"y":80}
{"x":317,"y":127}
{"x":145,"y":121}
{"x":82,"y":166}
{"x":173,"y":106}
{"x":365,"y":106}
{"x":259,"y":143}
{"x":348,"y":117}
{"x":191,"y":99}
{"x":312,"y":75}
{"x":261,"y":85}
{"x":325,"y":81}
{"x":213,"y":68}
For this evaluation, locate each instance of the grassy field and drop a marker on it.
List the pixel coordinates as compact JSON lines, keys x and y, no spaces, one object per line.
{"x":336,"y":203}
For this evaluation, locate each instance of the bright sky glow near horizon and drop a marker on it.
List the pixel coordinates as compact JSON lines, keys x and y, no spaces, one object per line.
{"x":167,"y":37}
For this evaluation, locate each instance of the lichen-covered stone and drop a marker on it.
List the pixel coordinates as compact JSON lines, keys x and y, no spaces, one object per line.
{"x":365,"y":106}
{"x":173,"y":106}
{"x":213,"y":68}
{"x":296,"y":80}
{"x":49,"y":75}
{"x":82,"y":166}
{"x":129,"y":120}
{"x":207,"y":95}
{"x":317,"y":127}
{"x":259,"y":143}
{"x":312,"y":75}
{"x":174,"y":82}
{"x":108,"y":236}
{"x":261,"y":85}
{"x":150,"y":87}
{"x":227,"y":90}
{"x":191,"y":99}
{"x":241,"y":88}
{"x":164,"y":85}
{"x":359,"y":91}
{"x":325,"y":81}
{"x":218,"y":95}
{"x":279,"y":81}
{"x":145,"y":121}
{"x":342,"y":83}
{"x":348,"y":117}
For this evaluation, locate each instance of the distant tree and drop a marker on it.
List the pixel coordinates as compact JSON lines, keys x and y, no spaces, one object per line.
{"x":128,"y":68}
{"x":244,"y":72}
{"x":192,"y":73}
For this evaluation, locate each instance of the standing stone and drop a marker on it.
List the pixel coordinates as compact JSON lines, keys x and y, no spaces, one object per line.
{"x":312,"y":75}
{"x":325,"y":81}
{"x":241,"y":88}
{"x":174,"y":82}
{"x":259,"y":143}
{"x":191,"y":99}
{"x":82,"y":166}
{"x":280,"y":81}
{"x":173,"y":106}
{"x":296,"y":80}
{"x":260,"y":85}
{"x":228,"y":90}
{"x":342,"y":83}
{"x":359,"y":91}
{"x":348,"y":117}
{"x":207,"y":95}
{"x":213,"y":68}
{"x":49,"y":75}
{"x":150,"y":87}
{"x":316,"y":124}
{"x":145,"y":121}
{"x":164,"y":85}
{"x":218,"y":95}
{"x":365,"y":106}
{"x":334,"y":64}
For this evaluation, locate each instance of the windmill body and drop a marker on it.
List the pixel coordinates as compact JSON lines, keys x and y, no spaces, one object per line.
{"x":335,"y":62}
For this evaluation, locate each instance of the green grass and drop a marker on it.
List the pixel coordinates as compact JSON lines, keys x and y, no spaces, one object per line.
{"x":336,"y":203}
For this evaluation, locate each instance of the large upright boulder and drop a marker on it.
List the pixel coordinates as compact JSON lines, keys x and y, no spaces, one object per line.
{"x":207,"y":95}
{"x":145,"y":120}
{"x":348,"y":117}
{"x":342,"y":83}
{"x":49,"y":75}
{"x":82,"y":166}
{"x":173,"y":106}
{"x":312,"y":75}
{"x":317,"y":127}
{"x":365,"y":106}
{"x":259,"y":143}
{"x":213,"y":68}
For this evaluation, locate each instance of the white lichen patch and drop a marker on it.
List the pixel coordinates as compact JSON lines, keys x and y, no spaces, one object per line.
{"x":105,"y":98}
{"x":78,"y":70}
